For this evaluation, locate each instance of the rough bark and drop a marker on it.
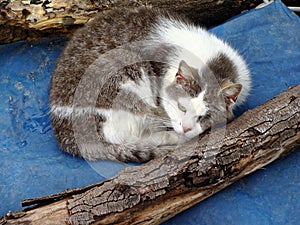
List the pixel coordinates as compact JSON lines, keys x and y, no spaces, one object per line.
{"x":153,"y":192}
{"x":32,"y":19}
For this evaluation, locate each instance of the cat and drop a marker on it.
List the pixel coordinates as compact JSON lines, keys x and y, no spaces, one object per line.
{"x":134,"y":83}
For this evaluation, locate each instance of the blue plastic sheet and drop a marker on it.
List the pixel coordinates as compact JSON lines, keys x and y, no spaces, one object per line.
{"x":31,"y":164}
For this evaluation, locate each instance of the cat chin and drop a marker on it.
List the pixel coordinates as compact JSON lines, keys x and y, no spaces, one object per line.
{"x":188,"y":135}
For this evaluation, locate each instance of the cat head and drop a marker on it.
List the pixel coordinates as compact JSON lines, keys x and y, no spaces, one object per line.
{"x":197,"y":99}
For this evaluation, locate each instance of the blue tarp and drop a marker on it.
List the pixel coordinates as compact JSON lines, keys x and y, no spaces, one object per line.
{"x":31,"y":164}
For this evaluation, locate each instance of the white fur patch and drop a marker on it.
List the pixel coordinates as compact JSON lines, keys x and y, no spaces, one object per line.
{"x":199,"y":105}
{"x":68,"y":111}
{"x":142,"y":88}
{"x":196,"y":45}
{"x":120,"y":126}
{"x":123,"y":127}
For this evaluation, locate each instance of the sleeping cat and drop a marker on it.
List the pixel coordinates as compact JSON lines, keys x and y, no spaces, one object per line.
{"x":133,"y":84}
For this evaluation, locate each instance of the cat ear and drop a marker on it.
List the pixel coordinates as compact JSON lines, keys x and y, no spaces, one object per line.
{"x":184,"y":72}
{"x":230,"y":92}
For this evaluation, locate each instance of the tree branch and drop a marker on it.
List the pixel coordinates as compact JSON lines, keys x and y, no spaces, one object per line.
{"x":33,"y":19}
{"x":153,"y":192}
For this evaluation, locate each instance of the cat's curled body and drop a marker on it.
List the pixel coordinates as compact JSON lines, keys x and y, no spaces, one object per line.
{"x":132,"y":84}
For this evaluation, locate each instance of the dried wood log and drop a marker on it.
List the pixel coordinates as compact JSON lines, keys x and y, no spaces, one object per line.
{"x":153,"y":192}
{"x":30,"y":19}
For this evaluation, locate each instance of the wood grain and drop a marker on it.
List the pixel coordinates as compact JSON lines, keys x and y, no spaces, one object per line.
{"x":32,"y":19}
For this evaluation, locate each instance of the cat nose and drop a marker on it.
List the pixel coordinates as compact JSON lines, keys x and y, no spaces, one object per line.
{"x":186,"y":129}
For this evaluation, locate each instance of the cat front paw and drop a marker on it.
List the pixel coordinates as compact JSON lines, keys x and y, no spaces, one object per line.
{"x":173,"y":138}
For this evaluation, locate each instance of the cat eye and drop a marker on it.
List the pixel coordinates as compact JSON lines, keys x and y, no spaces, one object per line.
{"x":181,"y":107}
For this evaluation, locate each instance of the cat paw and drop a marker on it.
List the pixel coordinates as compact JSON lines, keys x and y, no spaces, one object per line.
{"x":170,"y":138}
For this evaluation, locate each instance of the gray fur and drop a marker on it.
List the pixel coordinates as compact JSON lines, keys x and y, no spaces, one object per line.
{"x":89,"y":84}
